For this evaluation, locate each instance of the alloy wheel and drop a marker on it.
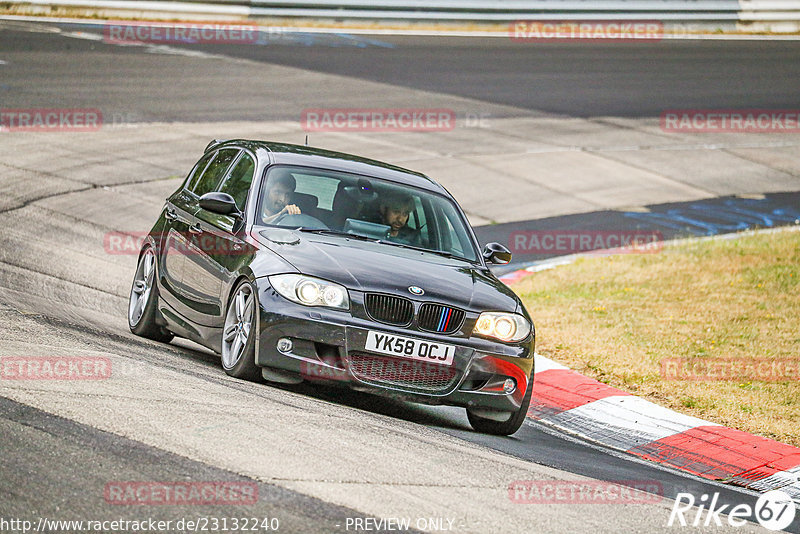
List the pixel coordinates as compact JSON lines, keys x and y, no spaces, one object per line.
{"x":238,"y":323}
{"x":142,"y":286}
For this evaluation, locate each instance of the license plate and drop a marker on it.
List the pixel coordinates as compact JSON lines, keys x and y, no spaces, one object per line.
{"x":413,"y":349}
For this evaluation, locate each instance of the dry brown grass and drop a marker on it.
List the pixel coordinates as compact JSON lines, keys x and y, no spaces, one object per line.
{"x":616,"y":318}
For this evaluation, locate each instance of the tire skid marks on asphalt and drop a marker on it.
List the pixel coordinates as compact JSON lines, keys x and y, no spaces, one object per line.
{"x":572,"y":403}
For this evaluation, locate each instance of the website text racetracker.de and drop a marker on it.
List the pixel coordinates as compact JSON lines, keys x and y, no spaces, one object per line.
{"x":196,"y":524}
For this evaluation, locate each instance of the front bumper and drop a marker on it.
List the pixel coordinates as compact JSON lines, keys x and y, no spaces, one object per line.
{"x":327,"y":345}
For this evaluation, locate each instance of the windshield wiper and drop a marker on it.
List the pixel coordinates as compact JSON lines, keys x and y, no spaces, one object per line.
{"x":444,"y":253}
{"x":327,"y":231}
{"x":421,"y":249}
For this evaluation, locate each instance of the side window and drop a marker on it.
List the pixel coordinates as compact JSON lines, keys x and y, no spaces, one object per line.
{"x":238,"y":182}
{"x":197,"y":171}
{"x":215,"y":171}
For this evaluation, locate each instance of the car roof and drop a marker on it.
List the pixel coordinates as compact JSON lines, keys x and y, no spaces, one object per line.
{"x":288,"y":154}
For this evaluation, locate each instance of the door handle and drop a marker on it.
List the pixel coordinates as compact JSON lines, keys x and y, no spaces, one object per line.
{"x":195,"y":229}
{"x":170,"y":215}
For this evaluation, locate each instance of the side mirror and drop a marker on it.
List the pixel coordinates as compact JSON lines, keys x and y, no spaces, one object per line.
{"x":221,"y":203}
{"x":496,"y":253}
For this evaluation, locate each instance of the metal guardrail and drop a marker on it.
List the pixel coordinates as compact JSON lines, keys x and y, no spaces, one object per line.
{"x":497,"y":11}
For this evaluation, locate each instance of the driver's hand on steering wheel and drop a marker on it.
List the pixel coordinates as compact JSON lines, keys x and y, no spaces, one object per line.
{"x":291,"y":209}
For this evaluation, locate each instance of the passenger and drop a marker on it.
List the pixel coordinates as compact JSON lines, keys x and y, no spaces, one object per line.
{"x":395,"y":209}
{"x":279,"y":196}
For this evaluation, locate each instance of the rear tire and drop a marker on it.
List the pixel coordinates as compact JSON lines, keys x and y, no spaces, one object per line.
{"x":239,"y":334}
{"x":503,"y":428}
{"x":143,"y":301}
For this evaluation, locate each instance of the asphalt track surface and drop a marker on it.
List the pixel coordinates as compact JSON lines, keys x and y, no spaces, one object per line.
{"x":623,"y":79}
{"x":130,"y":429}
{"x":579,"y":79}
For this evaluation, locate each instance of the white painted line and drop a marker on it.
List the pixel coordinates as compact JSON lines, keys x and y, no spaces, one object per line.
{"x":551,"y":264}
{"x":83,"y":35}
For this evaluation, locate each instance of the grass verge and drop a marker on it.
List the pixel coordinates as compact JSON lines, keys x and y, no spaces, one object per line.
{"x":617,"y":318}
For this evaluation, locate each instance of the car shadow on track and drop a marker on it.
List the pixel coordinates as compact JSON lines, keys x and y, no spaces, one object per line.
{"x":437,"y":416}
{"x":445,"y":417}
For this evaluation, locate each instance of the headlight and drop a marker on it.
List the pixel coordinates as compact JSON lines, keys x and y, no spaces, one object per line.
{"x":310,"y":291}
{"x":503,"y":326}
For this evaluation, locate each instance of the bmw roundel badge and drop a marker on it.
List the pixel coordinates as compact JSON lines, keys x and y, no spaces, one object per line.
{"x":416,"y":290}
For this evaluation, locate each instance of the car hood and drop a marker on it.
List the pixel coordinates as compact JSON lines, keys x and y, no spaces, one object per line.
{"x":370,"y":266}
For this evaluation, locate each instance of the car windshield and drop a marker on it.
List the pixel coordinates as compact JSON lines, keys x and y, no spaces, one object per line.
{"x":339,"y":203}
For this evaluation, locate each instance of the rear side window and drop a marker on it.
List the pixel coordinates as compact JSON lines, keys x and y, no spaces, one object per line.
{"x":213,"y":174}
{"x":197,"y":170}
{"x":238,"y":182}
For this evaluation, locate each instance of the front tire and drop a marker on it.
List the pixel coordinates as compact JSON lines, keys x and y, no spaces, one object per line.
{"x":143,"y":301}
{"x":503,"y":428}
{"x":239,"y":334}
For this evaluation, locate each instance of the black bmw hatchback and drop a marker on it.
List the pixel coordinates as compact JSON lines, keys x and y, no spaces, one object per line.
{"x":296,"y":263}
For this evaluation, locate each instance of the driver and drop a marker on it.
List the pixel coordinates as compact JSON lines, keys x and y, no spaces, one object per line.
{"x":279,"y":196}
{"x":395,"y":208}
